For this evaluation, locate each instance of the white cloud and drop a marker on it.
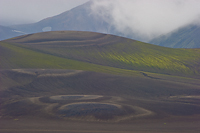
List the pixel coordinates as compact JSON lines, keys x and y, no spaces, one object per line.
{"x":148,"y":18}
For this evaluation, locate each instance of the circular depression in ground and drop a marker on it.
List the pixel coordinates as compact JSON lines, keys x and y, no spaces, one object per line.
{"x":92,"y":108}
{"x":102,"y":111}
{"x":75,"y":97}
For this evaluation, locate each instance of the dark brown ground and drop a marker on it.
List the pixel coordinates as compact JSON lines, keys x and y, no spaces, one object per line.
{"x":33,"y":125}
{"x":26,"y":106}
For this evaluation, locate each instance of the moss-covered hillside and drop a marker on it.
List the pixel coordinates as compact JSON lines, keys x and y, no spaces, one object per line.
{"x":85,"y":50}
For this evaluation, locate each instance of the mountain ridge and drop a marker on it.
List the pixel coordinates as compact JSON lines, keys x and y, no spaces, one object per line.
{"x":79,"y":18}
{"x":185,"y":37}
{"x":7,"y":32}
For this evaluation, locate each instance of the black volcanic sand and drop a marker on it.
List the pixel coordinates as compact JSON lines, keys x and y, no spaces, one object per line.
{"x":89,"y":108}
{"x":65,"y":97}
{"x":34,"y":100}
{"x":74,"y":97}
{"x":102,"y":111}
{"x":78,"y":108}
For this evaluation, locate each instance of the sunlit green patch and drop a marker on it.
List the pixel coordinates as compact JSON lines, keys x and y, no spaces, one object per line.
{"x":25,"y":58}
{"x":102,"y":53}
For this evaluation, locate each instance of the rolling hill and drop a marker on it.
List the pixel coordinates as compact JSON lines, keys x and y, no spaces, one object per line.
{"x":75,"y":81}
{"x":107,"y":50}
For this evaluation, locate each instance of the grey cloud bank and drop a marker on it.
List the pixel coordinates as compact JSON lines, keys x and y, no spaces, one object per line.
{"x":147,"y":19}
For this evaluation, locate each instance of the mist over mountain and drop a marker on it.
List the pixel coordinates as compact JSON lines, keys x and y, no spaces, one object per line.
{"x":148,"y":19}
{"x":186,"y":37}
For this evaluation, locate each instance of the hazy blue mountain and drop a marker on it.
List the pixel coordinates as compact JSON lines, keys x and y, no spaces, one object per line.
{"x":82,"y":18}
{"x":79,"y":18}
{"x":6,"y":32}
{"x":186,"y":37}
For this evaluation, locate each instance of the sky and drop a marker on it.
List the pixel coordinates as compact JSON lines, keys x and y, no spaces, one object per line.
{"x":144,"y":18}
{"x":14,"y":12}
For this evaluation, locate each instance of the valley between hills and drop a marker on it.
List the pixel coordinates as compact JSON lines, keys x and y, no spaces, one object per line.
{"x":73,"y":81}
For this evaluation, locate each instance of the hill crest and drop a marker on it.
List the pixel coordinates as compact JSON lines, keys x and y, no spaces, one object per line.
{"x":112,"y":51}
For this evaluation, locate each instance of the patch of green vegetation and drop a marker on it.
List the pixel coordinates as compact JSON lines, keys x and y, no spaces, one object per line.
{"x":158,"y":58}
{"x":25,"y":58}
{"x":133,"y":56}
{"x":113,"y":51}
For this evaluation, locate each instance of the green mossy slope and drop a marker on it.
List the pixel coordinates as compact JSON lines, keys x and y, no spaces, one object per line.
{"x":113,"y":51}
{"x":14,"y":57}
